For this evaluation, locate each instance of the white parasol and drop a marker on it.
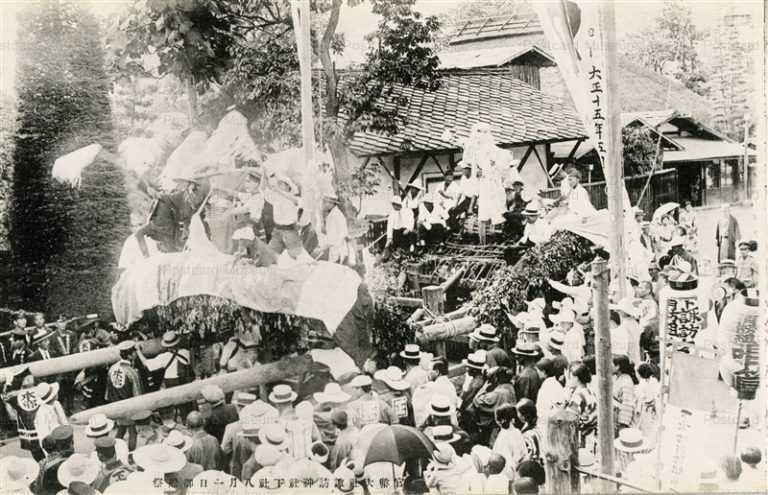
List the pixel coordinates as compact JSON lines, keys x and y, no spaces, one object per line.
{"x":664,"y":210}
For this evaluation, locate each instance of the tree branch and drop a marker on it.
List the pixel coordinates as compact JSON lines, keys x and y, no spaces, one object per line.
{"x":332,"y":105}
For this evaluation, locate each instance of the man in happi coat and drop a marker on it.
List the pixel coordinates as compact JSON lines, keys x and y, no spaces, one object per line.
{"x":726,"y":235}
{"x":123,"y":382}
{"x":64,"y":343}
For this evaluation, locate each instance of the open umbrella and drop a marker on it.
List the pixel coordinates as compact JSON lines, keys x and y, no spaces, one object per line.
{"x":397,"y":444}
{"x":663,"y":210}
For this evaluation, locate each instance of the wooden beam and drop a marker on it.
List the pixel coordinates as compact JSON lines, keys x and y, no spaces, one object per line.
{"x":419,"y":168}
{"x":438,"y":164}
{"x":524,"y":159}
{"x":448,"y":329}
{"x":575,"y":148}
{"x":396,"y":188}
{"x":543,"y":167}
{"x":411,"y":302}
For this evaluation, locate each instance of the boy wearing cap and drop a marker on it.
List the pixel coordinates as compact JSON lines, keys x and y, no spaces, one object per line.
{"x":205,"y":448}
{"x":123,"y":382}
{"x":49,"y":414}
{"x":333,"y":235}
{"x":112,"y":469}
{"x":367,"y":407}
{"x":414,"y":373}
{"x":746,"y":267}
{"x":577,"y":198}
{"x":283,"y":195}
{"x":221,"y":414}
{"x":432,"y":227}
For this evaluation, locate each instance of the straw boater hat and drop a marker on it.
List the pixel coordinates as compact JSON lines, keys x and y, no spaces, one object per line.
{"x":442,"y":433}
{"x":275,"y":435}
{"x":17,"y":473}
{"x":444,"y":456}
{"x":292,"y":187}
{"x":676,"y":241}
{"x":411,"y":352}
{"x":178,"y":440}
{"x":46,"y":392}
{"x":397,"y":200}
{"x":98,"y":425}
{"x":170,"y":339}
{"x":282,"y":394}
{"x":485,"y":332}
{"x":531,"y":211}
{"x":537,"y":304}
{"x":630,"y":440}
{"x":243,"y":399}
{"x":159,"y":458}
{"x":439,"y":405}
{"x":475,"y":360}
{"x":360,"y":381}
{"x":625,"y":305}
{"x":525,"y":349}
{"x":213,"y":394}
{"x":332,"y":393}
{"x":556,"y":341}
{"x":393,"y":378}
{"x":78,"y":468}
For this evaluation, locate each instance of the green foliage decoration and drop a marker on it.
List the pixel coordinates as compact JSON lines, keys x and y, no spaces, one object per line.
{"x":510,"y":287}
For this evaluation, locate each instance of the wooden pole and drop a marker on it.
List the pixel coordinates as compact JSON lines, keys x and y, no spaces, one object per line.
{"x":604,"y":362}
{"x":301,"y":22}
{"x":79,"y":361}
{"x":746,"y":156}
{"x":614,"y":166}
{"x":761,"y":205}
{"x":239,"y":380}
{"x":434,"y":303}
{"x":561,"y":453}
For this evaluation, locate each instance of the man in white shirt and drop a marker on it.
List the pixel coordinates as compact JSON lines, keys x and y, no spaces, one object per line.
{"x":283,"y":195}
{"x":175,"y":364}
{"x":333,"y":235}
{"x":577,"y":197}
{"x":49,"y":414}
{"x":400,"y":225}
{"x":536,"y":228}
{"x":448,"y":193}
{"x":467,"y":195}
{"x":432,"y":227}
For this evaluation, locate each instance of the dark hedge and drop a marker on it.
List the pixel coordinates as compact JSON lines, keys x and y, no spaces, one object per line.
{"x":65,"y":241}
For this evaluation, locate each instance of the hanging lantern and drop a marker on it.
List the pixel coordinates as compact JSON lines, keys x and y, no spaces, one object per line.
{"x":679,"y":310}
{"x":740,"y":362}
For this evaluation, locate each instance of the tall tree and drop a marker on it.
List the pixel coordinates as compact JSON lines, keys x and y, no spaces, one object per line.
{"x":66,"y":241}
{"x":671,"y":46}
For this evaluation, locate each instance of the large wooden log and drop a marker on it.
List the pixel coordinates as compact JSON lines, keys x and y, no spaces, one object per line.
{"x":453,"y":315}
{"x":446,"y":330}
{"x":239,"y":380}
{"x":78,"y":361}
{"x":561,"y":453}
{"x":604,"y":363}
{"x":413,"y":302}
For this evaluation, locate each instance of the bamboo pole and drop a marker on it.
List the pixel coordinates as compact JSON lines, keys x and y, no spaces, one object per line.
{"x":79,"y":361}
{"x":604,"y":362}
{"x":190,"y":392}
{"x":614,"y":168}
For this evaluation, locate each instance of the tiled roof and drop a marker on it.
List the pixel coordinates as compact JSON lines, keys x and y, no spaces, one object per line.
{"x":518,"y":114}
{"x":493,"y":57}
{"x":494,"y":27}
